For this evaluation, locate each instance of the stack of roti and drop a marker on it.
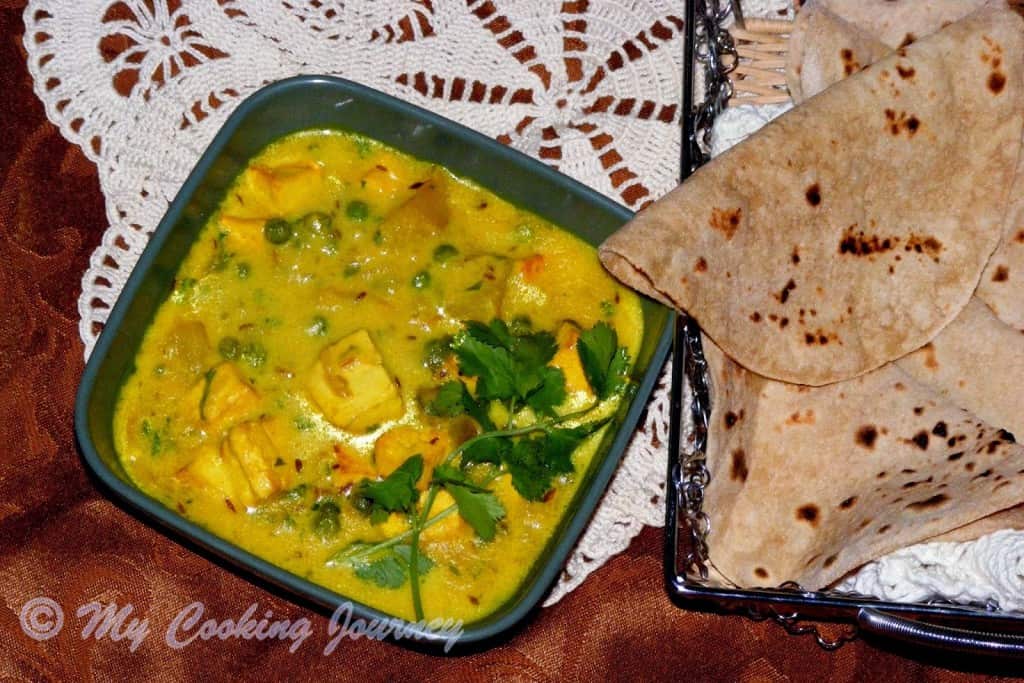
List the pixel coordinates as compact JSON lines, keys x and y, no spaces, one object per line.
{"x":857,"y":267}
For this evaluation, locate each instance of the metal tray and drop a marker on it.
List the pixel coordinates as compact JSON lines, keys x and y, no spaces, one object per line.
{"x":976,"y":629}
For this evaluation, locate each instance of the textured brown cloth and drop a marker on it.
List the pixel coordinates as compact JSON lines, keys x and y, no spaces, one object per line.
{"x":61,"y":535}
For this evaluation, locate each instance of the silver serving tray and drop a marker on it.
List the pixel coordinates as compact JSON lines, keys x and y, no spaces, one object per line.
{"x":975,"y":629}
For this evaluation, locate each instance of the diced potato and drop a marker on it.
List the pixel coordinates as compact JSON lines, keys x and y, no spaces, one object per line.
{"x":451,"y":528}
{"x":398,"y":444}
{"x":351,"y":467}
{"x":185,"y":349}
{"x":568,"y":359}
{"x":386,"y":188}
{"x":224,"y":395}
{"x":475,"y":286}
{"x":244,"y":234}
{"x":284,"y":190}
{"x":218,"y":472}
{"x":351,"y":386}
{"x":250,"y":444}
{"x":423,"y":216}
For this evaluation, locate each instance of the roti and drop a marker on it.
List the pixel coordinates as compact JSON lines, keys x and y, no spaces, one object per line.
{"x":840,"y":236}
{"x":834,"y":38}
{"x":809,"y":483}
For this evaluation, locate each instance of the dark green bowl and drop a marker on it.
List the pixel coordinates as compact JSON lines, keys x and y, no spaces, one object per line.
{"x":324,"y":102}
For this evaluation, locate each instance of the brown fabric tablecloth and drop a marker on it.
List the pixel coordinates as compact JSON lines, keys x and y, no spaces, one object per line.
{"x":63,"y":538}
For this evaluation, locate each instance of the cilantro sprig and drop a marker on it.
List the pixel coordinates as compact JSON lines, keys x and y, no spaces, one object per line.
{"x":499,"y":368}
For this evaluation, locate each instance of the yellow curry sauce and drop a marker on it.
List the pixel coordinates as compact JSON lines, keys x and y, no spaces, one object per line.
{"x":296,"y":355}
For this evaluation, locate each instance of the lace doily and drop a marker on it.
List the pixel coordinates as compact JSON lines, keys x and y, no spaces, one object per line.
{"x":589,"y":86}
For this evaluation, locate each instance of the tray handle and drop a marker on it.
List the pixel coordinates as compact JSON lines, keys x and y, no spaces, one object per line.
{"x":935,"y":635}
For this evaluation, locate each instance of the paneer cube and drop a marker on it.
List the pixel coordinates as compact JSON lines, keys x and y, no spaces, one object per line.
{"x":251,"y":446}
{"x":351,"y":386}
{"x":451,"y":528}
{"x":398,"y":444}
{"x":223,"y":395}
{"x":568,"y":359}
{"x":217,"y":471}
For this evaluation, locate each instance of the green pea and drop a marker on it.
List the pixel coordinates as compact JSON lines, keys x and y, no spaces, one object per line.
{"x":229,"y":348}
{"x":319,"y":326}
{"x":317,"y":222}
{"x":277,"y":231}
{"x":244,"y":270}
{"x":421,"y":280}
{"x":445,"y":252}
{"x":254,"y":354}
{"x":357,"y":210}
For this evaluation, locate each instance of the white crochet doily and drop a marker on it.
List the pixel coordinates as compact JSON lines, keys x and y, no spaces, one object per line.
{"x":589,"y":86}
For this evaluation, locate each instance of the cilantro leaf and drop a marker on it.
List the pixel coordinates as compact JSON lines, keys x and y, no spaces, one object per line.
{"x":449,"y":401}
{"x":559,"y":445}
{"x":493,"y":334}
{"x":550,"y":393}
{"x":480,"y":509}
{"x":448,"y":474}
{"x":391,"y":569}
{"x":453,"y":399}
{"x":529,"y":475}
{"x":492,"y":366}
{"x":395,"y":493}
{"x":605,"y":364}
{"x":486,"y":450}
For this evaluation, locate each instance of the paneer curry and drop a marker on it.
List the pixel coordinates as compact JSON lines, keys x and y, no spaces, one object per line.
{"x":378,"y":376}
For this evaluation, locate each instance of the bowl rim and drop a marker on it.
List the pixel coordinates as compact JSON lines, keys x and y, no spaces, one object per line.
{"x":281,"y":578}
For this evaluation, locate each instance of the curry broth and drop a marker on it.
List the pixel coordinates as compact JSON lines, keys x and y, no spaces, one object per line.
{"x":369,"y":240}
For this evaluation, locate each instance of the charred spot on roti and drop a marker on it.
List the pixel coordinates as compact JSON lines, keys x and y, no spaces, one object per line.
{"x":755,"y":317}
{"x":920,"y":440}
{"x":795,"y":257}
{"x":900,"y":121}
{"x":1002,"y":274}
{"x":761,"y":573}
{"x":930,"y":361}
{"x":996,"y":82}
{"x":848,"y":503}
{"x":992,"y":446}
{"x":885,"y":527}
{"x":907,"y":40}
{"x":1006,"y":436}
{"x":882,"y":475}
{"x":905,"y":72}
{"x":783,"y":322}
{"x":731,"y":419}
{"x":858,"y":243}
{"x":783,"y":296}
{"x":940,"y":429}
{"x":924,"y":245}
{"x":908,"y":470}
{"x":701,"y":266}
{"x":829,"y":561}
{"x":1020,"y":237}
{"x":813,"y":194}
{"x":850,"y":65}
{"x":969,"y":466}
{"x":918,"y":482}
{"x":932,"y":502}
{"x":808,"y":513}
{"x":918,"y":410}
{"x":866,"y":437}
{"x":739,"y":470}
{"x":953,"y":457}
{"x":726,"y":221}
{"x":982,"y":475}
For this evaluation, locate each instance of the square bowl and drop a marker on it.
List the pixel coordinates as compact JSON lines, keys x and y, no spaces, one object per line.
{"x":331,"y":103}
